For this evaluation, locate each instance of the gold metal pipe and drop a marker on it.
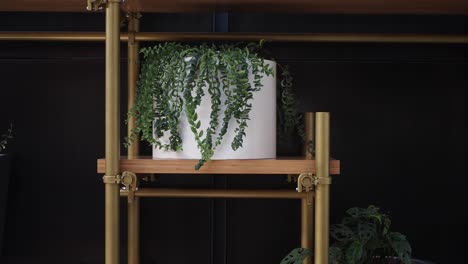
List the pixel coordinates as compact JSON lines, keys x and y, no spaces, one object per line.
{"x":112,"y":237}
{"x":307,"y":207}
{"x":304,"y":37}
{"x":214,"y":193}
{"x":133,"y":149}
{"x":53,"y":36}
{"x":209,"y":36}
{"x":134,"y":231}
{"x":133,"y":66}
{"x":306,"y":227}
{"x":322,"y":191}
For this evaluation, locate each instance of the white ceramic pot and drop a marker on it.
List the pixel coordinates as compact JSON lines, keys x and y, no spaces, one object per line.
{"x":260,"y":139}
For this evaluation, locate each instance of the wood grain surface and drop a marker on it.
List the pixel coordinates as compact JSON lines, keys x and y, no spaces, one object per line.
{"x":290,"y":165}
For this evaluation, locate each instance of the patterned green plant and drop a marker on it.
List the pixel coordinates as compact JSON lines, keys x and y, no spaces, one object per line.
{"x":173,"y":77}
{"x":5,"y":138}
{"x":362,"y":237}
{"x":296,"y":256}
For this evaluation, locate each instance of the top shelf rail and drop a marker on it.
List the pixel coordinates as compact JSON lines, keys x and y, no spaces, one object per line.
{"x":239,"y":36}
{"x":426,"y":7}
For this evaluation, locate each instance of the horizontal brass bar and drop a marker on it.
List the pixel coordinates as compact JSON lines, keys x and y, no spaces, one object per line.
{"x":213,"y":193}
{"x":54,"y":36}
{"x":206,"y":36}
{"x":303,"y":37}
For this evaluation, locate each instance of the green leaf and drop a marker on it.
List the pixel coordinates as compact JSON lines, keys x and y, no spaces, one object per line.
{"x":356,"y":212}
{"x":386,"y":225}
{"x":354,"y":252}
{"x":335,"y":255}
{"x":296,"y":256}
{"x":366,"y":231}
{"x":400,"y":246}
{"x":341,"y":232}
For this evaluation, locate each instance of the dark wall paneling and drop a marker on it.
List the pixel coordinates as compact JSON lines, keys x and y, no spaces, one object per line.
{"x":11,"y":21}
{"x":262,"y":231}
{"x":58,"y":119}
{"x":397,"y":126}
{"x":348,"y":23}
{"x":26,"y":21}
{"x":176,"y":22}
{"x":392,"y":127}
{"x":56,"y":203}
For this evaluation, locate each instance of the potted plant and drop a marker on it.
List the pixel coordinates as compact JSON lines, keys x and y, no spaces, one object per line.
{"x":206,"y":102}
{"x":362,"y":237}
{"x":5,"y":167}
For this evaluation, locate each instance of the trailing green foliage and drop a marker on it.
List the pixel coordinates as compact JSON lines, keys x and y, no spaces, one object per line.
{"x":174,"y":78}
{"x":362,"y":237}
{"x":289,"y":119}
{"x":6,"y":137}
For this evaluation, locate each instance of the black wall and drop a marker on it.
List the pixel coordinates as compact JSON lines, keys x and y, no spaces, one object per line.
{"x":397,"y":126}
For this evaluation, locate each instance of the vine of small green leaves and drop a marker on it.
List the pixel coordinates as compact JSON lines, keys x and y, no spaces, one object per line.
{"x":288,"y":116}
{"x":6,"y":137}
{"x":172,"y":80}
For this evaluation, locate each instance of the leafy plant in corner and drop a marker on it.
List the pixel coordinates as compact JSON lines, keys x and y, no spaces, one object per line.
{"x":173,"y":79}
{"x":5,"y":138}
{"x":362,"y":237}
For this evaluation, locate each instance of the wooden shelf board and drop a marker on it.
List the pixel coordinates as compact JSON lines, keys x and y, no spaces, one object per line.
{"x":253,"y":6}
{"x":283,"y":165}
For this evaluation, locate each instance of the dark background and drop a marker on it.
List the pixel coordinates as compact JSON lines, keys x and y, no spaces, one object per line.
{"x":397,"y":127}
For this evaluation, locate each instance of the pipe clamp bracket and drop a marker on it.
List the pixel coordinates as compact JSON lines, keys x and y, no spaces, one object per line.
{"x":307,"y":181}
{"x":323,"y":180}
{"x":130,"y":180}
{"x":116,"y":179}
{"x":95,"y":5}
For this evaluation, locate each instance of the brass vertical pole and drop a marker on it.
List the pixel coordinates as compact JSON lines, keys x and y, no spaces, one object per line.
{"x":322,"y":191}
{"x":112,"y":130}
{"x":134,"y":231}
{"x":133,"y":66}
{"x":133,"y":149}
{"x":306,"y":206}
{"x":306,"y":227}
